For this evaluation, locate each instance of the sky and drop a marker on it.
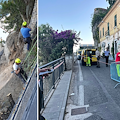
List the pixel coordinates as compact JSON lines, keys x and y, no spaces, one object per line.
{"x":70,"y":14}
{"x":3,"y":35}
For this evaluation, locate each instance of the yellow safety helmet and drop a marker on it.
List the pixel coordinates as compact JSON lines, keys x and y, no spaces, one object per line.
{"x":24,"y":23}
{"x":17,"y":60}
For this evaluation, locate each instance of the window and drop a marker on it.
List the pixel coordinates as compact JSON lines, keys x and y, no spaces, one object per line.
{"x":108,"y":29}
{"x":103,"y":31}
{"x":115,"y":20}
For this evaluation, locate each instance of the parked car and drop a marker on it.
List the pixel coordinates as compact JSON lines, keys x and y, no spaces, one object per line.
{"x":85,"y":55}
{"x":79,"y":54}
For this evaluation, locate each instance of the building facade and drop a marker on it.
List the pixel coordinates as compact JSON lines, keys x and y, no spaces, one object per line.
{"x":109,"y":29}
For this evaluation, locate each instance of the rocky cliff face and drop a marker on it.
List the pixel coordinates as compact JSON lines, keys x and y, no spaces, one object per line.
{"x":96,"y":12}
{"x":10,"y":83}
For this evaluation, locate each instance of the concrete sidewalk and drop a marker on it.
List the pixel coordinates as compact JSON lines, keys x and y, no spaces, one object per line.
{"x":56,"y":106}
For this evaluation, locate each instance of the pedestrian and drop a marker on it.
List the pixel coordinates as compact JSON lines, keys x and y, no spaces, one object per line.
{"x":98,"y":57}
{"x":40,"y":83}
{"x":118,"y":60}
{"x":88,"y":62}
{"x":107,"y":53}
{"x":18,"y":70}
{"x":26,"y":35}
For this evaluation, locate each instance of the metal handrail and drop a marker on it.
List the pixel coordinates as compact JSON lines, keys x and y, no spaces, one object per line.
{"x":57,"y":66}
{"x":51,"y":63}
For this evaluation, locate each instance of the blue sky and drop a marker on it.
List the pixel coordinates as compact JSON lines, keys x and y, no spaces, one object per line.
{"x":71,"y":14}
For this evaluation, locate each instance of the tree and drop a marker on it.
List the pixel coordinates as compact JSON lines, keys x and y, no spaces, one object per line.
{"x":51,"y":42}
{"x":15,"y":12}
{"x":111,"y":2}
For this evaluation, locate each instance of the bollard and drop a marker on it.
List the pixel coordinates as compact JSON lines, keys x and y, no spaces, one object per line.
{"x":10,"y":98}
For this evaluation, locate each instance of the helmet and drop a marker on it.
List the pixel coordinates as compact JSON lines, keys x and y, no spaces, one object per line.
{"x":17,"y":60}
{"x":24,"y":23}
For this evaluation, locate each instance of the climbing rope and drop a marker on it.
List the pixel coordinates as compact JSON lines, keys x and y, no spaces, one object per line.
{"x":31,"y":58}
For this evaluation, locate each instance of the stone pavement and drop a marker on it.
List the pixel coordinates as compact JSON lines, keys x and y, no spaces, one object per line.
{"x":55,"y":108}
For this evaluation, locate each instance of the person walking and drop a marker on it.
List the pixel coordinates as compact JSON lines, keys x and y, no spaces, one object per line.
{"x":17,"y":67}
{"x":88,"y":62}
{"x":26,"y":35}
{"x":98,"y":58}
{"x":107,"y":53}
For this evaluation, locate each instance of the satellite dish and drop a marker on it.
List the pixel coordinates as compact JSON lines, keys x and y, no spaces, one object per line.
{"x":103,"y":44}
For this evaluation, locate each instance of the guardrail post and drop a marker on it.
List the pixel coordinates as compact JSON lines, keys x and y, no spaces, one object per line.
{"x":59,"y":70}
{"x":62,"y":68}
{"x":65,"y":64}
{"x":53,"y":78}
{"x":41,"y":93}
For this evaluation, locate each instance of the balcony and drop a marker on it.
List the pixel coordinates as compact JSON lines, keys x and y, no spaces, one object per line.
{"x":107,"y":33}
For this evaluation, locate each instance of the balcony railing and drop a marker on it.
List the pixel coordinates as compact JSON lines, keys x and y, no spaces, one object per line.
{"x":107,"y":33}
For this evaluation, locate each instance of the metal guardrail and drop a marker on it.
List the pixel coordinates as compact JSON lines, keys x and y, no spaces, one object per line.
{"x":48,"y":83}
{"x":29,"y":104}
{"x":15,"y":109}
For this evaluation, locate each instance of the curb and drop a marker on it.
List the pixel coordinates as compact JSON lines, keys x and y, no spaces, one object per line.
{"x":61,"y":116}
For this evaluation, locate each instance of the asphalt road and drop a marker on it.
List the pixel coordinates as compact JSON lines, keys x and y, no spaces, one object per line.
{"x":97,"y":93}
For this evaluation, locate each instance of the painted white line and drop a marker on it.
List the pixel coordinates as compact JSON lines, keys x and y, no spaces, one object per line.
{"x":81,"y":88}
{"x":80,"y":72}
{"x":81,"y":95}
{"x":70,"y":106}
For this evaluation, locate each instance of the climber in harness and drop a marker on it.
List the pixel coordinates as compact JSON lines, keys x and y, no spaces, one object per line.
{"x":26,"y":35}
{"x":17,"y":67}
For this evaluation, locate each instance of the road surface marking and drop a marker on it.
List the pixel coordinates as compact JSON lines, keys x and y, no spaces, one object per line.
{"x":81,"y":88}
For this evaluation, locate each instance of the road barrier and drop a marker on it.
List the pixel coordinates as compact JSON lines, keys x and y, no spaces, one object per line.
{"x":115,"y":72}
{"x":47,"y":84}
